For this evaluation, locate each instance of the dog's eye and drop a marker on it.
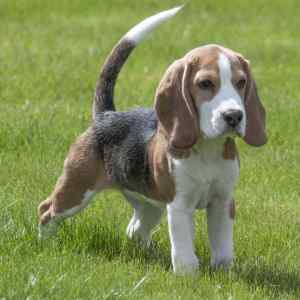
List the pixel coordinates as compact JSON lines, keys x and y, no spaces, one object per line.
{"x":206,"y":84}
{"x":241,"y":84}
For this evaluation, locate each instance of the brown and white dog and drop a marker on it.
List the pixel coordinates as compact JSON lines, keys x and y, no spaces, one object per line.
{"x":180,"y":156}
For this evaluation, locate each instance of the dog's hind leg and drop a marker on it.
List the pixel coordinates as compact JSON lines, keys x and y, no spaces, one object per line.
{"x":145,"y":217}
{"x":83,"y":176}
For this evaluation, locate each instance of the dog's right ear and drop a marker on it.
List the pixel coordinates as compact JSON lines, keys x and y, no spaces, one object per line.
{"x":176,"y":110}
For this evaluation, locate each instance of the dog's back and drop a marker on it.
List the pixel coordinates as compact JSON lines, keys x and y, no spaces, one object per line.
{"x":122,"y":139}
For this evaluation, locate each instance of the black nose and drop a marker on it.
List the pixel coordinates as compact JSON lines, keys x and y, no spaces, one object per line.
{"x":233,"y":117}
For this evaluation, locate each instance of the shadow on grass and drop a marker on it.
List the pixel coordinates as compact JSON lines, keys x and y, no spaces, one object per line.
{"x":276,"y":280}
{"x":107,"y":241}
{"x":96,"y":239}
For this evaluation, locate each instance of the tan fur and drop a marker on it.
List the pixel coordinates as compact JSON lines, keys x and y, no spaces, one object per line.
{"x":83,"y":171}
{"x":162,"y":182}
{"x":230,"y":151}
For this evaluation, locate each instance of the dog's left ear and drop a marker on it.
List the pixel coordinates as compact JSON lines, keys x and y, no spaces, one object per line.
{"x":176,"y":110}
{"x":255,"y":134}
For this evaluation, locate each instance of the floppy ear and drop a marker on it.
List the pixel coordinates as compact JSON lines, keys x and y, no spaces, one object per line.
{"x":255,"y":134}
{"x":176,"y":110}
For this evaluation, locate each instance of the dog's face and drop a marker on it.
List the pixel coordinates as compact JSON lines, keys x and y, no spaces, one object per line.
{"x":210,"y":93}
{"x":218,"y":90}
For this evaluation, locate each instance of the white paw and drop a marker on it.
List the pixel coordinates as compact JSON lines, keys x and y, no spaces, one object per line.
{"x":185,"y":265}
{"x":134,"y":232}
{"x":48,"y":230}
{"x":130,"y":228}
{"x":224,"y":262}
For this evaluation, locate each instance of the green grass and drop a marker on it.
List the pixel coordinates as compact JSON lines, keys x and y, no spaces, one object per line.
{"x":50,"y":53}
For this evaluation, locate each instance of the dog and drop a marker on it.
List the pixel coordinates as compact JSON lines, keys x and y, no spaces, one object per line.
{"x":181,"y":155}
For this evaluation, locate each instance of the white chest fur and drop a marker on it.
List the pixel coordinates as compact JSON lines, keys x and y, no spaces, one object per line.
{"x":205,"y":175}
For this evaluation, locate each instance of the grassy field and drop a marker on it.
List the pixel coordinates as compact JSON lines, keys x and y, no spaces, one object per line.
{"x":50,"y":53}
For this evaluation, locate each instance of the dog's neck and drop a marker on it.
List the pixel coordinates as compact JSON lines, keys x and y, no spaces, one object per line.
{"x":211,"y":149}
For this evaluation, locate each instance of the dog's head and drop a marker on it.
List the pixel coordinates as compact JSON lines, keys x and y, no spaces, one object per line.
{"x":210,"y":92}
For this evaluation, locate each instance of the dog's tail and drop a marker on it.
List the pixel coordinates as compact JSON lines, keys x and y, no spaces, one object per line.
{"x":104,"y":93}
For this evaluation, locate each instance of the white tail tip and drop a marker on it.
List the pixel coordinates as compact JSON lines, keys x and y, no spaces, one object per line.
{"x":141,"y":30}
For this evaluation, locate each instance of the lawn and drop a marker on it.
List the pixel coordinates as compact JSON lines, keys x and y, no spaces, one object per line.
{"x":50,"y":54}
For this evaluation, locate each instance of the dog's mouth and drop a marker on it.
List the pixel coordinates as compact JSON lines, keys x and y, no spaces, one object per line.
{"x":234,"y":131}
{"x":227,"y":131}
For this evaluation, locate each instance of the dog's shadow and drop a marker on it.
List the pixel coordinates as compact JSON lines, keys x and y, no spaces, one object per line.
{"x":275,"y":279}
{"x":110,"y":243}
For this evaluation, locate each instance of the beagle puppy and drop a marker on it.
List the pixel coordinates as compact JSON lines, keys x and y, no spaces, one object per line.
{"x":181,"y":155}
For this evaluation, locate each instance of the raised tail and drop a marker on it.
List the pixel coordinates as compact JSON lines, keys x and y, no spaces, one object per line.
{"x":104,"y":94}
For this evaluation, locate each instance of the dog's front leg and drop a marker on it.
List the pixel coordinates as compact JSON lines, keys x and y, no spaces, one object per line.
{"x":181,"y":230}
{"x":220,"y":215}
